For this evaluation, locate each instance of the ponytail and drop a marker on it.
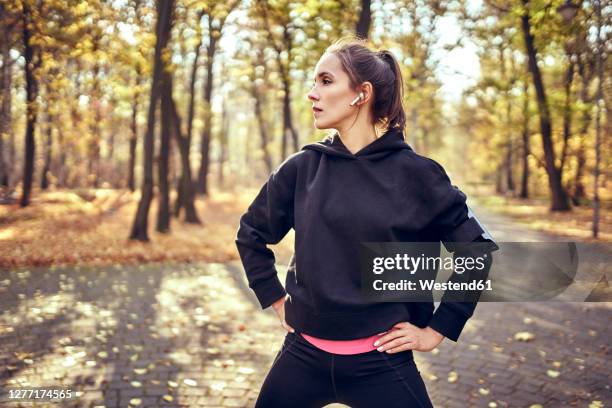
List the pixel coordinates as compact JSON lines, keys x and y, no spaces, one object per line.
{"x":396,"y":116}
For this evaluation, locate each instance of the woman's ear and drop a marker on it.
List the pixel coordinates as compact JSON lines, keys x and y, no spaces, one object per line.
{"x":368,"y":92}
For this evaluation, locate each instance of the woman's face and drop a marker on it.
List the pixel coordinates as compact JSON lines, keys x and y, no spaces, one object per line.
{"x":331,"y":94}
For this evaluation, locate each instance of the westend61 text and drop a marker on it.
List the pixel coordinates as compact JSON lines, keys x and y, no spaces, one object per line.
{"x":431,"y":284}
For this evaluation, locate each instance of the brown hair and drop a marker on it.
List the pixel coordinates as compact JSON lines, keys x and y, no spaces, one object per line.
{"x":382,"y":70}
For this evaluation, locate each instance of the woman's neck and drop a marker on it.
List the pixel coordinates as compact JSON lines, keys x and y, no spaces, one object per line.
{"x":358,"y":137}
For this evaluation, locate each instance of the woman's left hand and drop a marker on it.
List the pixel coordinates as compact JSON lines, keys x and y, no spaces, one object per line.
{"x":405,"y":336}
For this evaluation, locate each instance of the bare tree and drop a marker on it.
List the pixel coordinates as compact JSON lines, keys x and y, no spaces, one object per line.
{"x":559,"y":196}
{"x":165,"y":9}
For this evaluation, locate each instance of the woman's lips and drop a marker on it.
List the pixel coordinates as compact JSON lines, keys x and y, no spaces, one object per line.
{"x":315,"y":111}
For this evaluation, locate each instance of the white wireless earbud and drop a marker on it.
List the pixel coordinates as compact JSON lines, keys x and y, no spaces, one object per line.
{"x":360,"y":96}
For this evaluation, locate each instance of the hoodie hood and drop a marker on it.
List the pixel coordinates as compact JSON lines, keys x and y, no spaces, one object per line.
{"x":389,"y":142}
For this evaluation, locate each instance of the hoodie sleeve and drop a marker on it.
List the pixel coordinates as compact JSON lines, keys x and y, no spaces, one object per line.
{"x":267,"y":221}
{"x":451,"y":225}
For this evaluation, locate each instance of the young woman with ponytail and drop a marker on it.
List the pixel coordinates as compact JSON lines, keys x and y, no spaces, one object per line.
{"x":362,"y":183}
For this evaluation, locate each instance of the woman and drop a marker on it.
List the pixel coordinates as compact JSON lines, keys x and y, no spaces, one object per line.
{"x":363,"y":183}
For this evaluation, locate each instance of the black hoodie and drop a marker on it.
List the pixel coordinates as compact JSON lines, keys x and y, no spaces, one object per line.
{"x":334,"y":200}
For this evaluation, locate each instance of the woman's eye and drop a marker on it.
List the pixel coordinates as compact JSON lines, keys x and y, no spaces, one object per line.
{"x":325,"y":82}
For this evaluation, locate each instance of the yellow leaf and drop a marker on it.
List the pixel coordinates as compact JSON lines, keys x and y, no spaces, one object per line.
{"x":552,"y":373}
{"x":524,"y":336}
{"x":190,"y":382}
{"x":246,"y":370}
{"x":453,"y":377}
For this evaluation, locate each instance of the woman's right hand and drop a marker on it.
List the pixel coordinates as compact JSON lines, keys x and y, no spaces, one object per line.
{"x":279,"y":308}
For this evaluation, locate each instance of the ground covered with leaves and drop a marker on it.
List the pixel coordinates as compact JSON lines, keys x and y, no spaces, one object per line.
{"x":91,"y":227}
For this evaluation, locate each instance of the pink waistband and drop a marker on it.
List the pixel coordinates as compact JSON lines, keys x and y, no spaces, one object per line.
{"x":356,"y":346}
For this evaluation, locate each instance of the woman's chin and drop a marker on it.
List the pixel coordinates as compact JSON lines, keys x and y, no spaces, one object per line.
{"x":321,"y":125}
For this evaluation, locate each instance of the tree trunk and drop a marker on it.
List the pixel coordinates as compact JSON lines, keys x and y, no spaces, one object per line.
{"x":112,"y":129}
{"x":287,"y":123}
{"x":567,"y":111}
{"x":223,"y":144}
{"x":180,"y":198}
{"x":134,"y":135}
{"x":287,"y":85}
{"x":509,"y":148}
{"x":263,"y":129}
{"x":558,"y":195}
{"x":499,"y":179}
{"x":194,"y":74}
{"x":31,"y":109}
{"x":165,"y":10}
{"x":5,"y":109}
{"x":163,"y":211}
{"x":186,"y":183}
{"x":579,"y":192}
{"x":206,"y":132}
{"x":75,"y":120}
{"x":289,"y":130}
{"x":508,"y":161}
{"x":365,"y":18}
{"x":96,"y":131}
{"x":44,"y":176}
{"x":111,"y":166}
{"x":60,"y":162}
{"x":599,"y":101}
{"x":524,"y":193}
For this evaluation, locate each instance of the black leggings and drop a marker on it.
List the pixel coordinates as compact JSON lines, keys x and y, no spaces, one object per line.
{"x":305,"y":376}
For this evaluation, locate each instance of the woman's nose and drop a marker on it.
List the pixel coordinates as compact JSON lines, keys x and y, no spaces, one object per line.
{"x":312,"y":96}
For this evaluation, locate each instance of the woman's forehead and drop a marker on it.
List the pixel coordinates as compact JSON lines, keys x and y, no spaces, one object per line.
{"x":328,"y":63}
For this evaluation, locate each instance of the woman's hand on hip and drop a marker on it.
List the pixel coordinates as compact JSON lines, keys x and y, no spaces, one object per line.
{"x":279,"y":308}
{"x":405,"y":336}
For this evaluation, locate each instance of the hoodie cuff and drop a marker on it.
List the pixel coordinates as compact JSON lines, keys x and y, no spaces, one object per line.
{"x":448,"y":322}
{"x":269,"y":291}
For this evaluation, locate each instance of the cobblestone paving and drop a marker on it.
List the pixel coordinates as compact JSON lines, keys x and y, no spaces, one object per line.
{"x":193,"y":335}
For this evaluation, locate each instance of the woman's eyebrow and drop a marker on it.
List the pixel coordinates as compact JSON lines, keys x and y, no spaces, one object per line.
{"x":320,"y":74}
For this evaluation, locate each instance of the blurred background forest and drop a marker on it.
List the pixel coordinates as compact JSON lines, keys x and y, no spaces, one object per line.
{"x":122,"y":118}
